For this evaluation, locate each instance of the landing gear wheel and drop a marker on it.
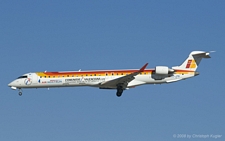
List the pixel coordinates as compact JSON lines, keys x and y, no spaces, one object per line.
{"x":119,"y":92}
{"x":20,"y":93}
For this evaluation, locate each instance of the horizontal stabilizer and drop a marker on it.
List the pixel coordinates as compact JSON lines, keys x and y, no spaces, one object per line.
{"x":201,"y":54}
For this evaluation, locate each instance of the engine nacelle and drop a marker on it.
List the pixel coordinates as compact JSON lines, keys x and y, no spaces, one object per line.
{"x":161,"y":70}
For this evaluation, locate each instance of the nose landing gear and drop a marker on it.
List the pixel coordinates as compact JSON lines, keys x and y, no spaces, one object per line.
{"x":20,"y":92}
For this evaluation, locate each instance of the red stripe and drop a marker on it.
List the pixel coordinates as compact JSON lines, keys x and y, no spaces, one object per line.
{"x":189,"y":64}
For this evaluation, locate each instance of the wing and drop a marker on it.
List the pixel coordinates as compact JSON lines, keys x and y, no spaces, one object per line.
{"x":122,"y":81}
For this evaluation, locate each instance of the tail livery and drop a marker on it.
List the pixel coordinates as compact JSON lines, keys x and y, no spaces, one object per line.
{"x":193,"y":60}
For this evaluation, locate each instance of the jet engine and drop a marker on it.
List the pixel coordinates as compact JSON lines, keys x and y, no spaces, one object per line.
{"x":162,"y":70}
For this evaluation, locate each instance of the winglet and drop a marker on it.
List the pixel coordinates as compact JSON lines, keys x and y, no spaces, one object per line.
{"x":143,"y":68}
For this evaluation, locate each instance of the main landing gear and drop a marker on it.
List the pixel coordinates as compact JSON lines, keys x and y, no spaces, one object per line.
{"x":119,"y":91}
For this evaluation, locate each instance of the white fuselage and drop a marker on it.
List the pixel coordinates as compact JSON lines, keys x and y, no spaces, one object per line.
{"x":112,"y":79}
{"x":93,"y":79}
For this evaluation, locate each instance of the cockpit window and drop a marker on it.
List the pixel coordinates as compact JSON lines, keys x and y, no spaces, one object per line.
{"x":22,"y":77}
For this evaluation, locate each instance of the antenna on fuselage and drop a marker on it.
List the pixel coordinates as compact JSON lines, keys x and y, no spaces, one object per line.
{"x":45,"y":70}
{"x":79,"y":70}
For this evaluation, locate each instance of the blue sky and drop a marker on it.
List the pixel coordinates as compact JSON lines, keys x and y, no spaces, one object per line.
{"x":89,"y":35}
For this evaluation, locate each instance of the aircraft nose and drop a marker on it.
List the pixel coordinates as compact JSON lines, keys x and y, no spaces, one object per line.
{"x":13,"y":83}
{"x":10,"y":84}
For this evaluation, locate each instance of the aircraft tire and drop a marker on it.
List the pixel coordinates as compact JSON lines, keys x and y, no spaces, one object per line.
{"x":119,"y":92}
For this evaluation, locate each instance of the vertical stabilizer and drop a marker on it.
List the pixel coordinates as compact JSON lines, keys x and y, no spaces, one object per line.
{"x":193,"y":60}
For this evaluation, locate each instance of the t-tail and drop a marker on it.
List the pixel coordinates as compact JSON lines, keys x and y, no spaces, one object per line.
{"x":193,"y":61}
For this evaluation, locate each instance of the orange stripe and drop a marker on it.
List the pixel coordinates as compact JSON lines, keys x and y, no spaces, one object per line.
{"x":91,"y":73}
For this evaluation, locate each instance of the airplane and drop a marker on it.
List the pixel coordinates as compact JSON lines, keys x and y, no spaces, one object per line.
{"x":112,"y":79}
